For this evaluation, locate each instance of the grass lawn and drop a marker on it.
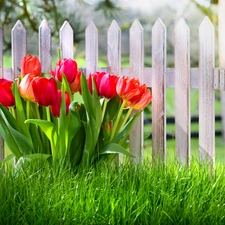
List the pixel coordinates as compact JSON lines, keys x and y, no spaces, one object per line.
{"x":108,"y":194}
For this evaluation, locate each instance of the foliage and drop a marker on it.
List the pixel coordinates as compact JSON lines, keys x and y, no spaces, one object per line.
{"x":31,"y":13}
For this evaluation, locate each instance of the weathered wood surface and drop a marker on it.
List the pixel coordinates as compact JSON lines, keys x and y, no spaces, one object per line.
{"x":136,"y":70}
{"x":159,"y":91}
{"x":91,"y":48}
{"x":66,"y":41}
{"x":45,"y":46}
{"x":19,"y":46}
{"x":206,"y":92}
{"x":182,"y":92}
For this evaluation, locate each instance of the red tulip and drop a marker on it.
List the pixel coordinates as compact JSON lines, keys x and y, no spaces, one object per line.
{"x":75,"y":85}
{"x":6,"y":95}
{"x":97,"y":78}
{"x":107,"y":87}
{"x":45,"y":91}
{"x":136,"y":96}
{"x":25,"y":87}
{"x":105,"y":84}
{"x":30,"y":65}
{"x":68,"y":67}
{"x":55,"y":108}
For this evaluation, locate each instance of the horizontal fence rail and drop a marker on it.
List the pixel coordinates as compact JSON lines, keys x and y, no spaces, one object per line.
{"x":206,"y":77}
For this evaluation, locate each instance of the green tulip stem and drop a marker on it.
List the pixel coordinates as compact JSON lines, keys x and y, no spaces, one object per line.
{"x":126,"y":118}
{"x":48,"y":113}
{"x":117,"y":120}
{"x":13,"y":111}
{"x":37,"y":111}
{"x":59,"y":54}
{"x":28,"y":109}
{"x":104,"y":107}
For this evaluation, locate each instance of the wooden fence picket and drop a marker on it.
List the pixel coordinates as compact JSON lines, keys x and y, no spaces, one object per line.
{"x":206,"y":92}
{"x":66,"y":40}
{"x":182,"y":91}
{"x":45,"y":46}
{"x":136,"y":70}
{"x":114,"y":48}
{"x":19,"y":46}
{"x":159,"y":91}
{"x":91,"y":48}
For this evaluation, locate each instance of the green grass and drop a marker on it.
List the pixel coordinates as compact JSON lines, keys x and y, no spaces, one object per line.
{"x":115,"y":195}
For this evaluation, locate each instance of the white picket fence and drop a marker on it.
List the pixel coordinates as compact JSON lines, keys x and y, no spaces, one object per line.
{"x":206,"y":78}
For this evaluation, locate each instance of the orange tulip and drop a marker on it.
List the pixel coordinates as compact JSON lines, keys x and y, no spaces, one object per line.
{"x":25,"y":88}
{"x":30,"y":65}
{"x":75,"y":85}
{"x":137,"y":96}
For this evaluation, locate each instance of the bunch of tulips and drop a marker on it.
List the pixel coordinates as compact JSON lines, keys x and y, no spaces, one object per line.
{"x":65,"y":118}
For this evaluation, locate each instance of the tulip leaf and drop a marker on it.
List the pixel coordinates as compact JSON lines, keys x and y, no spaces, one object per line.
{"x":47,"y":127}
{"x":94,"y":118}
{"x":17,"y":142}
{"x":21,"y":117}
{"x":115,"y":148}
{"x":123,"y":134}
{"x":63,"y":123}
{"x":74,"y":125}
{"x":8,"y":157}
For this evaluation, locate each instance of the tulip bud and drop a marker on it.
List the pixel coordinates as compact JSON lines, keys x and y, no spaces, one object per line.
{"x":75,"y":85}
{"x":137,"y":96}
{"x":30,"y":65}
{"x":55,"y":108}
{"x":6,"y":95}
{"x":25,"y":87}
{"x":65,"y":66}
{"x":45,"y":91}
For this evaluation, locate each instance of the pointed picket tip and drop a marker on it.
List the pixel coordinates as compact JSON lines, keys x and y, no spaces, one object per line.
{"x":159,"y":24}
{"x":66,"y":26}
{"x":206,"y":23}
{"x":113,"y":26}
{"x":136,"y":25}
{"x":44,"y":23}
{"x":113,"y":35}
{"x":18,"y":26}
{"x":181,"y":25}
{"x":91,"y":26}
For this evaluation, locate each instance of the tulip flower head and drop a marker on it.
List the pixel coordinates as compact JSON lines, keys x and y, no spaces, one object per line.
{"x":105,"y":84}
{"x":107,"y":87}
{"x":75,"y":85}
{"x":6,"y":95}
{"x":55,"y":108}
{"x":45,"y":91}
{"x":30,"y":65}
{"x":25,"y":87}
{"x":137,"y":96}
{"x":65,"y":66}
{"x":97,"y":78}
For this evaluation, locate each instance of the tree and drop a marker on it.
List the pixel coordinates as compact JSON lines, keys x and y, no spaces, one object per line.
{"x":31,"y":13}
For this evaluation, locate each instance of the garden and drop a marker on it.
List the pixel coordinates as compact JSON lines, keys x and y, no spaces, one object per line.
{"x":66,"y":135}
